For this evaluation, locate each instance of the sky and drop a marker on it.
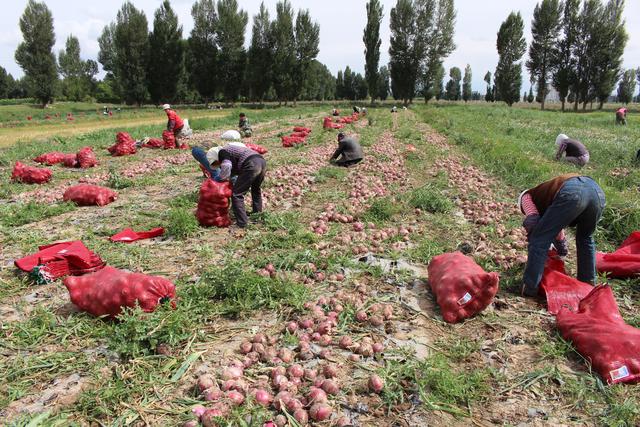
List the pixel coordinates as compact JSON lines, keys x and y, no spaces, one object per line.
{"x":341,"y":26}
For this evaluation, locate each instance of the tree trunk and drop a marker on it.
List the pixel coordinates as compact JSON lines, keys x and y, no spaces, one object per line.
{"x":600,"y":105}
{"x":575,"y":105}
{"x":542,"y":104}
{"x":562,"y":101}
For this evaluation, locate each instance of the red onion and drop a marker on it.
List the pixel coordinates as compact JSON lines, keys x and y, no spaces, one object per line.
{"x":198,"y":410}
{"x":376,"y":384}
{"x":330,"y":371}
{"x":365,"y":350}
{"x":316,"y":395}
{"x":246,"y":347}
{"x":320,"y":412}
{"x":345,"y":342}
{"x":330,"y":387}
{"x":378,"y":347}
{"x":232,"y":373}
{"x":292,"y":327}
{"x":286,"y":355}
{"x":295,"y":371}
{"x":354,"y":357}
{"x":212,"y":394}
{"x":281,"y":400}
{"x":235,"y":397}
{"x":306,"y":323}
{"x":325,"y":340}
{"x":301,"y":416}
{"x":310,"y":374}
{"x":280,"y":421}
{"x":206,"y":381}
{"x":260,"y":338}
{"x":343,"y":422}
{"x":192,"y":423}
{"x":293,"y":405}
{"x":263,"y":397}
{"x":278,"y":370}
{"x":376,"y":320}
{"x":361,"y":316}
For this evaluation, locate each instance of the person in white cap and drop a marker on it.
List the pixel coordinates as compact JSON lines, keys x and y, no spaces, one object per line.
{"x":174,"y":124}
{"x":232,"y":137}
{"x":575,"y":152}
{"x":250,"y":169}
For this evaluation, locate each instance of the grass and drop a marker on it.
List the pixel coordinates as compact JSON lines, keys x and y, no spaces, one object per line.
{"x":25,"y":213}
{"x":431,"y":199}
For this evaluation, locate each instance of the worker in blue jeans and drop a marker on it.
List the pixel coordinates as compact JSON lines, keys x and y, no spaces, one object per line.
{"x":568,"y":200}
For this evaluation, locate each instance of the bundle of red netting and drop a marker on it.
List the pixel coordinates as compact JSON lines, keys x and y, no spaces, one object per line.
{"x":328,"y":124}
{"x":298,"y":136}
{"x":29,"y":174}
{"x":124,"y":145}
{"x":257,"y":148}
{"x":213,"y":204}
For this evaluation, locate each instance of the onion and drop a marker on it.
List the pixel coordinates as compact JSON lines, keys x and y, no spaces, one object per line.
{"x":376,"y":384}
{"x":361,"y":316}
{"x":320,"y":412}
{"x":232,"y":373}
{"x":310,"y":374}
{"x":280,"y":421}
{"x":301,"y":416}
{"x":345,"y":342}
{"x":235,"y":397}
{"x":278,"y":370}
{"x":293,"y":405}
{"x":263,"y":397}
{"x":306,"y":323}
{"x":292,"y":327}
{"x":260,"y":338}
{"x":209,"y":416}
{"x":330,"y":371}
{"x":280,"y":379}
{"x":325,"y":340}
{"x":325,"y":353}
{"x":330,"y":387}
{"x":378,"y":347}
{"x":212,"y":394}
{"x":246,"y":347}
{"x":258,"y":348}
{"x":285,"y":355}
{"x":295,"y":371}
{"x":198,"y":410}
{"x":343,"y":422}
{"x":376,"y":320}
{"x":205,"y":381}
{"x":316,"y":395}
{"x":281,"y":400}
{"x":354,"y":357}
{"x":192,"y":423}
{"x":365,"y":350}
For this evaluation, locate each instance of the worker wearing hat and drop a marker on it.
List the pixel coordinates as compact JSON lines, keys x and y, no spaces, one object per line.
{"x":174,"y":123}
{"x":573,"y":150}
{"x":348,"y":153}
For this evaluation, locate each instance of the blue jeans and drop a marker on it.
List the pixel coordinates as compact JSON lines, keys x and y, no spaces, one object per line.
{"x":201,"y":156}
{"x":579,"y":203}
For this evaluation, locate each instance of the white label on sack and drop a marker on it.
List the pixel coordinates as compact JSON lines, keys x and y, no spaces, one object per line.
{"x":64,"y":251}
{"x":619,"y":373}
{"x":126,"y":238}
{"x":465,"y":299}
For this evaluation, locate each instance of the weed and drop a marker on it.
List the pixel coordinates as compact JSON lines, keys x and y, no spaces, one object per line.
{"x":382,"y":210}
{"x":116,"y":181}
{"x":330,"y":172}
{"x":430,"y":199}
{"x":26,"y":213}
{"x":181,"y":223}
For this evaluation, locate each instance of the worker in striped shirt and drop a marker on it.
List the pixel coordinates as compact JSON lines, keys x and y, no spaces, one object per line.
{"x":569,"y":200}
{"x":574,"y":151}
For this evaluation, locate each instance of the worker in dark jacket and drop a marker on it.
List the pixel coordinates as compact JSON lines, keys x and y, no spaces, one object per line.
{"x":349,"y":151}
{"x":250,"y":168}
{"x":575,"y":152}
{"x":174,"y":123}
{"x":567,"y":200}
{"x":244,"y":127}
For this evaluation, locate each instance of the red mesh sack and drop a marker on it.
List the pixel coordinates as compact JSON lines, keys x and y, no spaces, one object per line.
{"x":560,"y":289}
{"x":128,"y":235}
{"x":52,"y":158}
{"x":86,"y":158}
{"x":89,"y":195}
{"x":169,"y":139}
{"x":257,"y":148}
{"x":109,"y":290}
{"x":461,"y":287}
{"x":300,"y":134}
{"x":213,"y":204}
{"x":290,"y":141}
{"x":124,"y":145}
{"x":304,"y":129}
{"x":624,"y":262}
{"x":70,"y":161}
{"x":601,"y":336}
{"x":154,"y":143}
{"x":327,"y":123}
{"x":29,"y":174}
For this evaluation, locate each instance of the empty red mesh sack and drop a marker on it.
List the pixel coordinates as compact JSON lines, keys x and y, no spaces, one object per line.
{"x":124,"y":145}
{"x":601,"y":336}
{"x":304,"y":129}
{"x":30,"y":174}
{"x":128,"y":235}
{"x":154,"y":143}
{"x":257,"y":148}
{"x":109,"y":290}
{"x":86,"y":158}
{"x":213,"y":204}
{"x":561,"y":290}
{"x":169,"y":139}
{"x":461,"y":287}
{"x":49,"y":159}
{"x":624,"y":262}
{"x":89,"y":195}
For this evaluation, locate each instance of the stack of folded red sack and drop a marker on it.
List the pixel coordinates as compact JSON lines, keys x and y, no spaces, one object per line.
{"x":29,"y":174}
{"x":328,"y":124}
{"x":89,"y":195}
{"x":213,"y":204}
{"x":85,"y":158}
{"x":257,"y":148}
{"x":58,"y":260}
{"x":124,"y":145}
{"x":298,"y":136}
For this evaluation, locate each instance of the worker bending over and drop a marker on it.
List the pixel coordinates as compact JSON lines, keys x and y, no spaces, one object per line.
{"x":349,"y":151}
{"x":575,"y":152}
{"x":174,"y":123}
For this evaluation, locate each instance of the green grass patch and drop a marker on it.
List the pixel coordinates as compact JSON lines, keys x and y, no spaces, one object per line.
{"x":181,"y":223}
{"x":15,"y":215}
{"x":431,"y":199}
{"x":382,"y":209}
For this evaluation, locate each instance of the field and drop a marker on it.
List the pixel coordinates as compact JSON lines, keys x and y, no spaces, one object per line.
{"x":435,"y":178}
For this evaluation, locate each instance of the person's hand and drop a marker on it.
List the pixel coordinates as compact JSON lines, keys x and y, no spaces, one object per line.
{"x":561,"y":247}
{"x":530,"y":223}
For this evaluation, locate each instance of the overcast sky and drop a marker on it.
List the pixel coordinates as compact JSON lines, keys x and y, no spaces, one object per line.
{"x":341,"y":25}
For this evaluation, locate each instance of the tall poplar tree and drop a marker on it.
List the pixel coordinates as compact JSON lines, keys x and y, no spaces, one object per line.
{"x":564,"y":62}
{"x":307,"y":39}
{"x":511,"y":46}
{"x":372,"y":42}
{"x":202,"y":57}
{"x":166,"y":50}
{"x":545,"y":31}
{"x":260,"y":67}
{"x":466,"y":84}
{"x":35,"y":53}
{"x":284,"y":51}
{"x":405,"y":50}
